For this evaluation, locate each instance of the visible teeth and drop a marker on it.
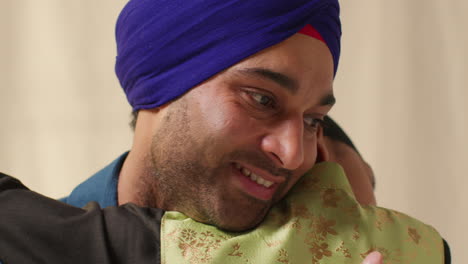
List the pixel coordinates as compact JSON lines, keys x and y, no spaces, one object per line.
{"x":238,"y":166}
{"x":254,"y":177}
{"x":246,"y":172}
{"x":260,"y":181}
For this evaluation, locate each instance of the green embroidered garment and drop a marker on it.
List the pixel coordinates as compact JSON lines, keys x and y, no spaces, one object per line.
{"x":319,"y":221}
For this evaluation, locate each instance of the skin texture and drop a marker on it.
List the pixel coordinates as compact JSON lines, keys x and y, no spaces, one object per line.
{"x":184,"y":154}
{"x":358,"y":172}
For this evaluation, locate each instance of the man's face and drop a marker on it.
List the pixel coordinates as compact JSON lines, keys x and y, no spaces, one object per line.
{"x":231,"y":147}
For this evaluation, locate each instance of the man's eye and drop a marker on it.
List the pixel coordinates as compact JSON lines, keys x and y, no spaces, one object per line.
{"x":264,"y":100}
{"x":312,"y":122}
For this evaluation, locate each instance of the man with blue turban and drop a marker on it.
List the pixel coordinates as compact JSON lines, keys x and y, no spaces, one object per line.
{"x":230,"y":96}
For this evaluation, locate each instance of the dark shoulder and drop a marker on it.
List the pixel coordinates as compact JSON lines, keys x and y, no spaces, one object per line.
{"x":38,"y":229}
{"x":448,"y":257}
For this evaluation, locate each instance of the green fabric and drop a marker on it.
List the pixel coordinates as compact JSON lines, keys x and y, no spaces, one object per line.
{"x":320,"y":221}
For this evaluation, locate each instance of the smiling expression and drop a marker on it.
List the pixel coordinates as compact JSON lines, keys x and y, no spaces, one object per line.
{"x":228,"y":149}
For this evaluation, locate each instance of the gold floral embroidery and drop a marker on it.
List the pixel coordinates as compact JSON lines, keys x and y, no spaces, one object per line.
{"x":429,"y":242}
{"x":324,"y":227}
{"x":330,"y":198}
{"x":343,"y":250}
{"x":383,"y":217}
{"x":352,"y":211}
{"x":274,"y":243}
{"x":236,"y":251}
{"x":197,"y":248}
{"x":238,"y":254}
{"x":400,"y":215}
{"x":313,"y":237}
{"x":299,"y":212}
{"x":320,"y":229}
{"x":283,"y":256}
{"x":356,"y":234}
{"x":413,"y":233}
{"x":188,"y":235}
{"x":302,"y":211}
{"x":327,"y":223}
{"x":296,"y":224}
{"x":319,"y":251}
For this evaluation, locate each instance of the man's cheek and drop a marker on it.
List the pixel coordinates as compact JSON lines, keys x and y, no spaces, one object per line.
{"x":238,"y":126}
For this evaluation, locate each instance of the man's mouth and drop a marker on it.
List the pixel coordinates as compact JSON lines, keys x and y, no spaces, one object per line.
{"x":257,"y":182}
{"x":254,"y":177}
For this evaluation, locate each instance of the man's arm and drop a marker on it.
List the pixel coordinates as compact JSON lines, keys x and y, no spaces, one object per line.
{"x":37,"y":229}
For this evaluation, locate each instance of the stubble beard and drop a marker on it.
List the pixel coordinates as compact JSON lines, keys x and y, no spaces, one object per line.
{"x":186,"y":174}
{"x":178,"y":181}
{"x":171,"y":171}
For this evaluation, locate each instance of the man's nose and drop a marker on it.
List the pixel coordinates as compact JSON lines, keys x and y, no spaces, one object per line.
{"x":284,"y":143}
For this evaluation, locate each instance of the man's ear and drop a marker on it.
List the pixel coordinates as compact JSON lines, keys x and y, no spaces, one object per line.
{"x":322,"y":150}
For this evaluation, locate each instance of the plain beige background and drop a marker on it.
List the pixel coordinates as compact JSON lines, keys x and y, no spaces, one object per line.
{"x":401,"y":92}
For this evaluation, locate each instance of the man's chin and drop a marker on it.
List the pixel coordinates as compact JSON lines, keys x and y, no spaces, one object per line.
{"x":239,"y":225}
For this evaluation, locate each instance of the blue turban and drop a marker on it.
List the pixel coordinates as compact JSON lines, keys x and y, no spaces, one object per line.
{"x":166,"y":47}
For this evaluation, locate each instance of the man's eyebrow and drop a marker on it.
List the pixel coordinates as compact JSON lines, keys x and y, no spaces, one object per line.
{"x":284,"y":81}
{"x":280,"y":78}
